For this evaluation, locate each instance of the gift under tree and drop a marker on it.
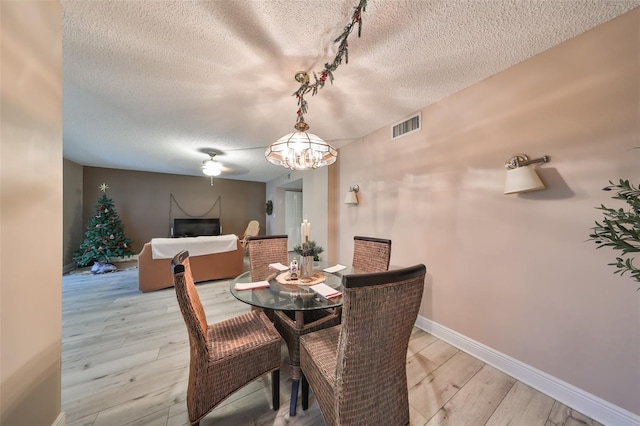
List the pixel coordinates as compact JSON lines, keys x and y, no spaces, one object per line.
{"x":104,"y":237}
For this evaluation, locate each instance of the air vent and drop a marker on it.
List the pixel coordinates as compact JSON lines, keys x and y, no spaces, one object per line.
{"x":407,"y":126}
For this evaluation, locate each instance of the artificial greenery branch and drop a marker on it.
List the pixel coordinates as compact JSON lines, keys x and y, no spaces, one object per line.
{"x":620,"y":228}
{"x":329,"y":68}
{"x":309,"y":249}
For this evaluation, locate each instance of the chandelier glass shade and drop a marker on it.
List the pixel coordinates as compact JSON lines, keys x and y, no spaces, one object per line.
{"x":301,"y":150}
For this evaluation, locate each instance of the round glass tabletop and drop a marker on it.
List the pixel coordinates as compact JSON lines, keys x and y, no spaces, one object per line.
{"x":286,"y":294}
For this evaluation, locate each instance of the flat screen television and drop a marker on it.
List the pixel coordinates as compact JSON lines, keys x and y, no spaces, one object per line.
{"x":195,"y":227}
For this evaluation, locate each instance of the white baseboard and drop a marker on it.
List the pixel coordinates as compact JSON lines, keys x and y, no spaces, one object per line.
{"x":582,"y":401}
{"x":60,"y":420}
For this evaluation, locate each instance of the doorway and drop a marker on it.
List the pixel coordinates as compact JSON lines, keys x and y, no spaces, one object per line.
{"x":293,"y":216}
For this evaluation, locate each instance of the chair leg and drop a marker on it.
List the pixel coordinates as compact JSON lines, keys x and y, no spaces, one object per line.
{"x":305,"y":391}
{"x":275,"y":389}
{"x":293,"y":403}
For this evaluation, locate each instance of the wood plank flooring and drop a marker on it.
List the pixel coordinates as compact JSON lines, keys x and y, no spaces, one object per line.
{"x":125,"y":361}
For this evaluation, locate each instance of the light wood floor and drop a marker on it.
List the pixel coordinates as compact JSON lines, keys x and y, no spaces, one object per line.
{"x":125,"y":360}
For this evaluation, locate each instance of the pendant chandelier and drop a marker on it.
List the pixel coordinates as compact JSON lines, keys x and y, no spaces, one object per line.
{"x":302,"y":150}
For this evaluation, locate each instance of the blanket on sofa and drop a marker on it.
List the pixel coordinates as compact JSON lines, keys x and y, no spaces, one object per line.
{"x":167,"y":248}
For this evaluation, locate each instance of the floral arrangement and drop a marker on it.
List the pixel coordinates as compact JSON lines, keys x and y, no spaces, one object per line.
{"x":309,"y":249}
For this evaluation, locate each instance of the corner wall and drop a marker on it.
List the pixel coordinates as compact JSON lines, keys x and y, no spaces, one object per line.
{"x":31,"y":213}
{"x":72,"y":227}
{"x":516,"y":273}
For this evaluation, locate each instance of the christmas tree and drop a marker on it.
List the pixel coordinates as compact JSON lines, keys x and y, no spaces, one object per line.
{"x":104,"y":237}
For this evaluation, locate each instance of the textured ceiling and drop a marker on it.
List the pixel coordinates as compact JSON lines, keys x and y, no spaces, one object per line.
{"x":154,"y":85}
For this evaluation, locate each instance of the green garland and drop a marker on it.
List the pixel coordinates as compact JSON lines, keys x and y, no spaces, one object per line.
{"x":329,"y":68}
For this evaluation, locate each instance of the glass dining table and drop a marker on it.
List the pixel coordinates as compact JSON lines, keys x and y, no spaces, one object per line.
{"x":294,"y":295}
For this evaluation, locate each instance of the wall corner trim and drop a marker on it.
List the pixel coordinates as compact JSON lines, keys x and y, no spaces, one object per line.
{"x":61,"y":420}
{"x":578,"y":399}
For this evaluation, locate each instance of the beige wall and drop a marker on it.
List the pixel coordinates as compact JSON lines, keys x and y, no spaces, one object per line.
{"x":30,"y":213}
{"x":513,"y":272}
{"x":142,"y":200}
{"x":516,"y":272}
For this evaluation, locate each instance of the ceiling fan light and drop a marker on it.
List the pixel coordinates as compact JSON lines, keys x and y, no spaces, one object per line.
{"x":211,"y":168}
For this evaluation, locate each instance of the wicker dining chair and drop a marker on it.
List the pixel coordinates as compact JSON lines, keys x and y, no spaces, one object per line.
{"x":371,"y":254}
{"x":227,"y":355}
{"x":287,"y":325}
{"x":264,"y":250}
{"x":357,"y":370}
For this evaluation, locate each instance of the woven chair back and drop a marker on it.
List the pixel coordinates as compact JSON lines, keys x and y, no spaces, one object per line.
{"x":253,"y":228}
{"x":264,"y":250}
{"x":189,"y":301}
{"x":379,"y":312}
{"x":371,"y":254}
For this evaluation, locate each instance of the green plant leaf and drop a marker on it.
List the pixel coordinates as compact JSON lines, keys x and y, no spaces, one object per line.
{"x":620,"y":228}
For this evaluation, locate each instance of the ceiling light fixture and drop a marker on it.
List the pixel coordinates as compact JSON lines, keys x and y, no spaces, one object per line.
{"x":301,"y":150}
{"x":211,"y":167}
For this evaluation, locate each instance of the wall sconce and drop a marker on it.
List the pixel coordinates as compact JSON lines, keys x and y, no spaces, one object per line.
{"x":521,"y":175}
{"x":351,"y":197}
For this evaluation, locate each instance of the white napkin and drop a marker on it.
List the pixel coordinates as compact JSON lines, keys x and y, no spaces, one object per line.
{"x":279,"y":266}
{"x":325,"y":291}
{"x":251,"y":286}
{"x":335,"y":268}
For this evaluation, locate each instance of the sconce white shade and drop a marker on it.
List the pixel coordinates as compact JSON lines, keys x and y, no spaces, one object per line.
{"x":352,"y":195}
{"x":351,"y":198}
{"x":522,"y":179}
